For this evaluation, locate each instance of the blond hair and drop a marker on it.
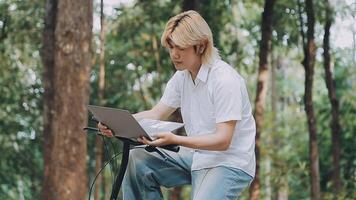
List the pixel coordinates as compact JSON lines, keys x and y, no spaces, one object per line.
{"x":190,"y":29}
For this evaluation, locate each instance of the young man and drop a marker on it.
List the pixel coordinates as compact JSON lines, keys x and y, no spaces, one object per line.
{"x":217,"y":155}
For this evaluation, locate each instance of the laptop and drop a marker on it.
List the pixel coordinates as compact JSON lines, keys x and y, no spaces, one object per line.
{"x":123,"y":124}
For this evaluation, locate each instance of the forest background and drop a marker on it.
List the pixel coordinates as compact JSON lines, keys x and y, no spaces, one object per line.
{"x":298,"y":58}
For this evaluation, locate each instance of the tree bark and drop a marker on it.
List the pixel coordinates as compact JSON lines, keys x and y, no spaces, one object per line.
{"x":175,"y":193}
{"x":335,"y":124}
{"x":269,"y":139}
{"x":189,"y":5}
{"x":4,"y":28}
{"x":308,"y":62}
{"x":262,"y":80}
{"x":67,"y":58}
{"x":157,"y":56}
{"x":353,"y":46}
{"x":98,"y":140}
{"x":156,"y":53}
{"x":282,"y":193}
{"x":282,"y":185}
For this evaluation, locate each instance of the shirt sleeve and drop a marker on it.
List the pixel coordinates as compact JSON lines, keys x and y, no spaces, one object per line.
{"x":227,"y":97}
{"x":172,"y":93}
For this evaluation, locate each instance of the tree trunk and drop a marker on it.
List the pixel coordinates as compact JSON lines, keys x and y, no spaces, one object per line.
{"x":282,"y":193}
{"x":157,"y":56}
{"x":4,"y":28}
{"x":282,"y":185}
{"x":308,"y":62}
{"x":107,"y":185}
{"x":269,"y":160}
{"x":335,"y":124}
{"x":98,"y":140}
{"x":189,"y":5}
{"x":262,"y":79}
{"x":156,"y":53}
{"x":175,"y":193}
{"x":66,"y":58}
{"x":353,"y":47}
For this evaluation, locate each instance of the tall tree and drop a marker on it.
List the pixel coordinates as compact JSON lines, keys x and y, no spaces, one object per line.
{"x":282,"y":185}
{"x":101,"y":88}
{"x":309,"y":49}
{"x":262,"y":79}
{"x":189,"y":5}
{"x":21,"y":97}
{"x":175,"y":193}
{"x":67,"y":59}
{"x":335,"y":124}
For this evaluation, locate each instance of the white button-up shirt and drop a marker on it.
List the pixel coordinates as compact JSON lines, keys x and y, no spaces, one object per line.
{"x":218,"y":94}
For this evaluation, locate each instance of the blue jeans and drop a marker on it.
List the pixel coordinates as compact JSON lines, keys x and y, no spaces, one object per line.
{"x":146,"y":172}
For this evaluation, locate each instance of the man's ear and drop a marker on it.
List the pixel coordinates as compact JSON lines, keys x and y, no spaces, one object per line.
{"x":198,"y":49}
{"x":201,"y":49}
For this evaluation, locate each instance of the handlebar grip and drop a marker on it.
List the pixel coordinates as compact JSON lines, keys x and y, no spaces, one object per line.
{"x":171,"y":147}
{"x":94,"y":119}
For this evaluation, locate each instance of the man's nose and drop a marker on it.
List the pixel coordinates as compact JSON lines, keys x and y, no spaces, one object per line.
{"x":174,"y":53}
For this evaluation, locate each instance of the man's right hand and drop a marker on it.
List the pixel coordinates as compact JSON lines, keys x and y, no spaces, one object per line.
{"x":105,"y":130}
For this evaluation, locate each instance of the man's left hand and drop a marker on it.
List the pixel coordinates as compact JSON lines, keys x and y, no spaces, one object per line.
{"x":162,"y":139}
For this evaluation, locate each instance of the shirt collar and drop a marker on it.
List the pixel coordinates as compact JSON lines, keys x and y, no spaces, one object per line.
{"x":203,"y":73}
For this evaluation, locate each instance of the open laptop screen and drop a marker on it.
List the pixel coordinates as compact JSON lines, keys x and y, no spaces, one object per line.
{"x":123,"y":124}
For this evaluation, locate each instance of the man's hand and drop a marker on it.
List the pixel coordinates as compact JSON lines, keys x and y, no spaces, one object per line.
{"x":104,"y":130}
{"x":162,"y":139}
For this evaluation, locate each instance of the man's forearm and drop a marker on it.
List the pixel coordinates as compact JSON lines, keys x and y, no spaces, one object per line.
{"x":160,"y":112}
{"x":147,"y":114}
{"x":212,"y":142}
{"x":218,"y":141}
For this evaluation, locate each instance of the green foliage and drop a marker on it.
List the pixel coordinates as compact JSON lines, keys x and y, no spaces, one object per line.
{"x":133,"y":70}
{"x":135,"y":80}
{"x":20,"y":96}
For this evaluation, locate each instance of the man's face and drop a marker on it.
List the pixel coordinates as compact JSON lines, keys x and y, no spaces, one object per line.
{"x":184,"y":58}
